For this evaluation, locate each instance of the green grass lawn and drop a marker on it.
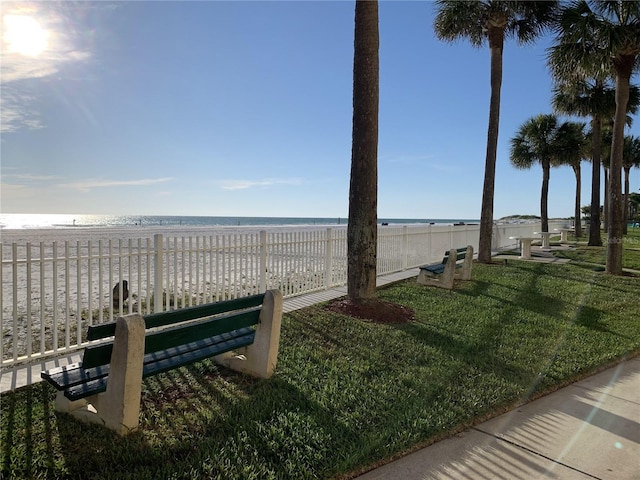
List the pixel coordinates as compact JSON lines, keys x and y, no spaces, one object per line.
{"x":348,"y":393}
{"x":597,"y":255}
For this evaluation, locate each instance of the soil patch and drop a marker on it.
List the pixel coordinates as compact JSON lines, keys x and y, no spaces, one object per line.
{"x":377,"y":311}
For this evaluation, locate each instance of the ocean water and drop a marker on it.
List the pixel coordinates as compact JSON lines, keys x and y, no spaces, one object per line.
{"x":29,"y":221}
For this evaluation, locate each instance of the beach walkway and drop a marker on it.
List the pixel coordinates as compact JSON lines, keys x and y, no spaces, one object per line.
{"x":587,"y":430}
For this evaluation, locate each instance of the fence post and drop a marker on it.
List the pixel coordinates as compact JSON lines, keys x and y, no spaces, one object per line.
{"x":405,"y":247}
{"x":14,"y":277}
{"x":263,"y":261}
{"x":158,"y":250}
{"x":328,"y":261}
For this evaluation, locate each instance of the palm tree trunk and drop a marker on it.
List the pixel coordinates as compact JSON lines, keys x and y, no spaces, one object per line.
{"x":362,"y":229}
{"x":496,"y":43}
{"x":606,"y":200}
{"x":577,"y":212}
{"x":544,"y":197}
{"x":595,"y":239}
{"x":625,"y":213}
{"x":615,"y":217}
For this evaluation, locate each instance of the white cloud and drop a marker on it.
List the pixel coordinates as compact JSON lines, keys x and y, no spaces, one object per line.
{"x":31,"y":177}
{"x":87,"y":185}
{"x":247,"y":184}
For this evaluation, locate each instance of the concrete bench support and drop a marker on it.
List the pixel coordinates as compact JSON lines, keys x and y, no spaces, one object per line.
{"x":259,"y":359}
{"x":119,"y":407}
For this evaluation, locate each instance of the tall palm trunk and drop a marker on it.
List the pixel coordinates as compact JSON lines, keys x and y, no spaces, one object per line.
{"x":625,"y":213}
{"x":605,"y":211}
{"x":544,"y":197}
{"x":595,"y":239}
{"x":496,"y":43}
{"x":362,"y":229}
{"x":577,"y":212}
{"x":624,"y":66}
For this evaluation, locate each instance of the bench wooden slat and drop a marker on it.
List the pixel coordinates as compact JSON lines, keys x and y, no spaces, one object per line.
{"x":73,"y":374}
{"x":161,"y":319}
{"x":459,"y":256}
{"x":436,"y":268}
{"x":70,"y":375}
{"x":202,"y":330}
{"x":95,"y":355}
{"x":162,"y":361}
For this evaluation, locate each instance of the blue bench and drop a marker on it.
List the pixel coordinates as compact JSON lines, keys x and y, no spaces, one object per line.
{"x":444,"y":273}
{"x":106,"y":386}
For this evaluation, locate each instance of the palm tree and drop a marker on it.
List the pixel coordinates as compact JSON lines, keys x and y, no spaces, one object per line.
{"x":491,"y":21}
{"x":599,"y":36}
{"x":572,"y":144}
{"x":362,"y":229}
{"x":605,"y":149}
{"x":542,"y":139}
{"x":588,"y":98}
{"x":630,"y":159}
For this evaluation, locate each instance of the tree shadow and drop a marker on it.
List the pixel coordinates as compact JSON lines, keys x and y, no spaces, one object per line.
{"x":189,"y":414}
{"x":24,"y":445}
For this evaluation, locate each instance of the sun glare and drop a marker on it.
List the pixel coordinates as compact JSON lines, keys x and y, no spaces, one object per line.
{"x":24,"y":35}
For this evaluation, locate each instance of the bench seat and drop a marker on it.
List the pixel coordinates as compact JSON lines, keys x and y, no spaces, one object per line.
{"x":78,"y":382}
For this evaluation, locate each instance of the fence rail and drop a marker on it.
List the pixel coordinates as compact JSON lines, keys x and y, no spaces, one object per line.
{"x":51,"y":291}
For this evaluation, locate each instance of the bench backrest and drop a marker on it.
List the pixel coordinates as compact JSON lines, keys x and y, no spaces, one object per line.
{"x":246,"y":313}
{"x":461,"y":254}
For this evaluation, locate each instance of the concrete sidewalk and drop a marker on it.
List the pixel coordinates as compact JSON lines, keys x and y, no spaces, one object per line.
{"x":587,"y":430}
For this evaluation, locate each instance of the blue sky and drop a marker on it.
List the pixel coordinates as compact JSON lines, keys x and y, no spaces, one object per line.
{"x":244,"y":109}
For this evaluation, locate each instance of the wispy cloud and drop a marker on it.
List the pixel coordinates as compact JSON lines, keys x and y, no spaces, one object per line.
{"x":247,"y":184}
{"x":17,"y":180}
{"x":19,"y":98}
{"x":87,"y":185}
{"x":32,"y":178}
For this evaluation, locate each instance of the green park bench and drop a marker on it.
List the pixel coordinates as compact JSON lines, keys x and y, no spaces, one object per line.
{"x":444,"y":273}
{"x":106,"y":386}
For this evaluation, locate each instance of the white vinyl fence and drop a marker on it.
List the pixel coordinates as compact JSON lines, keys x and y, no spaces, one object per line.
{"x":51,"y":291}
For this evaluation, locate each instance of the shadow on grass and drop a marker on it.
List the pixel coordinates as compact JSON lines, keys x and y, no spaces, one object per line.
{"x":591,"y":318}
{"x":195,"y":420}
{"x":521,"y":296}
{"x":476,"y":354}
{"x":22,"y":445}
{"x":515,"y":304}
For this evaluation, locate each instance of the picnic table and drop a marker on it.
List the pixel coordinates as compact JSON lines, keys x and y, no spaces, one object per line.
{"x":525,"y":246}
{"x":564,"y":233}
{"x":545,"y":238}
